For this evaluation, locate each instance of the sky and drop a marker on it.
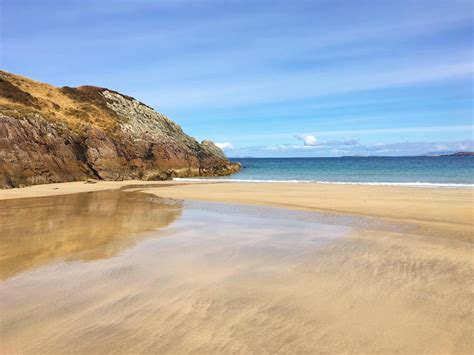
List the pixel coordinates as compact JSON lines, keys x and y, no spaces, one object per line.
{"x":263,"y":78}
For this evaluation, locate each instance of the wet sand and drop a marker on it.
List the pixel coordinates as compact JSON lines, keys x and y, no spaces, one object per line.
{"x":129,"y":272}
{"x":442,"y":212}
{"x":84,"y":226}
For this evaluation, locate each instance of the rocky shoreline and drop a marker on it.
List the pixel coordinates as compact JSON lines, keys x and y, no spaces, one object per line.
{"x":50,"y":135}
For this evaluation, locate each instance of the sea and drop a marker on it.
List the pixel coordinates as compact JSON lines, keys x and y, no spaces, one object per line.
{"x":422,"y":171}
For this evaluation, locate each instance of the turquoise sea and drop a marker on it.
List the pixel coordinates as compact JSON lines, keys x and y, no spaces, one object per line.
{"x":441,"y":171}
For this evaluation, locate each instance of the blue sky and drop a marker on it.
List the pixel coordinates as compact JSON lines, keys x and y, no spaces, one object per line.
{"x":266,"y":78}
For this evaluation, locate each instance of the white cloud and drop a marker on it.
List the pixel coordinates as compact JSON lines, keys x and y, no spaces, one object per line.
{"x":307,"y":139}
{"x":225,"y":145}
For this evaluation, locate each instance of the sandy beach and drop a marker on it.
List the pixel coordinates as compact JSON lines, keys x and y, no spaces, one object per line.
{"x":176,"y":267}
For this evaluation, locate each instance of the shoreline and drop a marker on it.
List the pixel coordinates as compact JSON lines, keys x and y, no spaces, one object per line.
{"x":74,"y":187}
{"x":435,"y":211}
{"x":320,"y":182}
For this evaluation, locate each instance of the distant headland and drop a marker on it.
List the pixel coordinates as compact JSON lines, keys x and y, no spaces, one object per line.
{"x":457,"y":154}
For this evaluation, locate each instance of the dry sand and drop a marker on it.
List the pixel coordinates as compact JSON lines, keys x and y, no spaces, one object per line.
{"x":67,"y":188}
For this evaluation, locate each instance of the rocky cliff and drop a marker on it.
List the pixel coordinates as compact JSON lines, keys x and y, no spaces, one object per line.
{"x":50,"y":134}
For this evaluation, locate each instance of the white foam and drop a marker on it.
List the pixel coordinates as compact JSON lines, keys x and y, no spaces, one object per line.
{"x":406,"y":184}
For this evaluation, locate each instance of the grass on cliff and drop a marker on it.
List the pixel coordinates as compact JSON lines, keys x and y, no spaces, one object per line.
{"x":76,"y":108}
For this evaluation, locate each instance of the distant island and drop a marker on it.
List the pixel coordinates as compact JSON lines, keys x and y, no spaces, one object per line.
{"x":457,"y":154}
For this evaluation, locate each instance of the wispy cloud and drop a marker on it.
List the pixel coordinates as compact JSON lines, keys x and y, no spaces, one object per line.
{"x":311,"y":141}
{"x":367,"y":131}
{"x":393,"y":149}
{"x":421,"y":147}
{"x":311,"y":84}
{"x":394,"y":130}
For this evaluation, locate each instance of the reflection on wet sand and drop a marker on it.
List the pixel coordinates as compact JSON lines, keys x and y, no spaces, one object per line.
{"x":85,"y":226}
{"x":232,"y":279}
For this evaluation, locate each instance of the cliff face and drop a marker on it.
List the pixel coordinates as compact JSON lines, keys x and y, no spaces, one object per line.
{"x":50,"y":134}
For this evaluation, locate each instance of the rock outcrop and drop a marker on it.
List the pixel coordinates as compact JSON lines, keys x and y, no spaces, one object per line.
{"x":50,"y":134}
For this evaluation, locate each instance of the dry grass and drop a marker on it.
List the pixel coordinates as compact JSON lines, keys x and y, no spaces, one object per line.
{"x":77,"y":108}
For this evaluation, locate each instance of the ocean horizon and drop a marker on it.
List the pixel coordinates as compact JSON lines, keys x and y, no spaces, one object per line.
{"x":421,"y":171}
